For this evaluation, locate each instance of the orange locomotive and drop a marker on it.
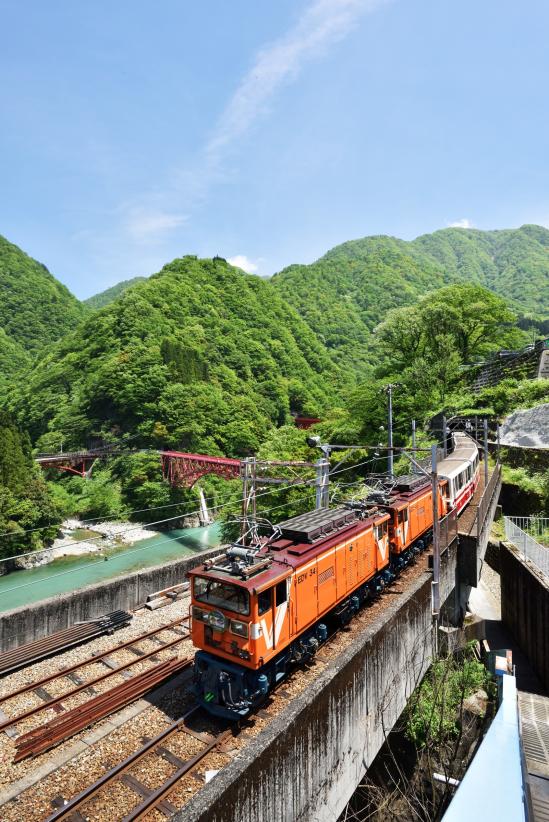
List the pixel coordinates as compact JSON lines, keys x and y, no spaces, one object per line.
{"x":256,"y":611}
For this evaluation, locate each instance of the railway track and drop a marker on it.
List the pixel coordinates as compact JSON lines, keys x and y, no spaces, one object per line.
{"x":150,"y":799}
{"x":81,"y":684}
{"x":61,"y":641}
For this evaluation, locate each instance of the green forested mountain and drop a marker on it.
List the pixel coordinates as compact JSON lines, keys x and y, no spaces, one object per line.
{"x":348,"y":292}
{"x":200,"y":356}
{"x":513,"y":263}
{"x":110,"y":294}
{"x":35,"y":309}
{"x":14,"y":360}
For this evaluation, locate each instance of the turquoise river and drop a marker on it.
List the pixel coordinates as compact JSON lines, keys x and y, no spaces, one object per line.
{"x":21,"y":588}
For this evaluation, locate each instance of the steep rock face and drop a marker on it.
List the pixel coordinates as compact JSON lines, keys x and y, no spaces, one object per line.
{"x":199,"y":356}
{"x":35,"y":309}
{"x":529,"y":428}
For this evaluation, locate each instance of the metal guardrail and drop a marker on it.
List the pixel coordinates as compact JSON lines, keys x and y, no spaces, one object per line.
{"x":487,"y":498}
{"x":529,"y":548}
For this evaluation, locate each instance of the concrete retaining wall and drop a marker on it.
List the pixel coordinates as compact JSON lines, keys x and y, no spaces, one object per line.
{"x":308,"y":761}
{"x":125,"y":592}
{"x":525,"y":608}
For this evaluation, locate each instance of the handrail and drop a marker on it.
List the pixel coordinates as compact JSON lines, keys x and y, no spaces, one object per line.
{"x":487,"y":498}
{"x":527,"y":545}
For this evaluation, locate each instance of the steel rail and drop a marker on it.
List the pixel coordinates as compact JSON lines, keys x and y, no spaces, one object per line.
{"x":84,"y":685}
{"x":59,"y":641}
{"x":88,"y":793}
{"x":92,"y":659}
{"x":63,"y":727}
{"x":159,"y":795}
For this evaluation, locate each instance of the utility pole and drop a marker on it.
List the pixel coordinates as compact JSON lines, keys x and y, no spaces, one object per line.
{"x":435,"y":585}
{"x":414,"y":444}
{"x":444,"y":442}
{"x":245,"y":483}
{"x":485,"y":452}
{"x":253,"y":492}
{"x":322,"y":483}
{"x":389,"y":392}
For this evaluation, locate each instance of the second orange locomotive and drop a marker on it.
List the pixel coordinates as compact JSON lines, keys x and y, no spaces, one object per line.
{"x":258,"y":610}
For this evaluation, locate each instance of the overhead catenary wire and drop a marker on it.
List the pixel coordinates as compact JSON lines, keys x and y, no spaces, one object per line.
{"x":89,"y":540}
{"x":111,"y":559}
{"x":163,"y":542}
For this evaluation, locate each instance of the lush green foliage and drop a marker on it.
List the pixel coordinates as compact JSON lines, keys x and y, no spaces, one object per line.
{"x":25,"y":503}
{"x":433,"y":713}
{"x":349,"y":291}
{"x":111,"y":294}
{"x":421,"y":350}
{"x":200,"y":356}
{"x":35,"y":309}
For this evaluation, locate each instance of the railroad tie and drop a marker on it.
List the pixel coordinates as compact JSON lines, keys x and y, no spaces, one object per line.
{"x":11,"y":732}
{"x":79,"y":681}
{"x":164,"y":807}
{"x":58,"y":802}
{"x":136,"y":651}
{"x":46,"y":697}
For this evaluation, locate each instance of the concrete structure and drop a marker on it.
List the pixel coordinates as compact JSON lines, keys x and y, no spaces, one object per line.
{"x":125,"y":592}
{"x":308,"y":761}
{"x":525,"y":607}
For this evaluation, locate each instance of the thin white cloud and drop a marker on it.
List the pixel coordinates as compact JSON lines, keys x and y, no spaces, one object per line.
{"x":463,"y":223}
{"x":241,"y":261}
{"x":149,"y":225}
{"x":149,"y":219}
{"x":322,"y":23}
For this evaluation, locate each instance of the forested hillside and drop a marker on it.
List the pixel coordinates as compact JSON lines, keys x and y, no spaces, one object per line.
{"x":110,"y":294}
{"x":26,"y":507}
{"x":513,"y":263}
{"x":348,"y":292}
{"x":199,"y":356}
{"x":35,"y":309}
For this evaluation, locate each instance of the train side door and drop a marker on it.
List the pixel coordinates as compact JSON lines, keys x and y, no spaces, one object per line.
{"x":327,"y":593}
{"x":366,"y":556}
{"x":351,"y":550}
{"x":305,"y":596}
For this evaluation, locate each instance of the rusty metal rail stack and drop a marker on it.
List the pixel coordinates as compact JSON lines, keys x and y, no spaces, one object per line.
{"x":100,"y":658}
{"x":61,"y":640}
{"x":151,"y":799}
{"x":52,"y":702}
{"x":63,"y":727}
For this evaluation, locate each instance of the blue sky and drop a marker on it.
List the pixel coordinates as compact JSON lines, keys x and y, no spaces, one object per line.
{"x":268,"y":131}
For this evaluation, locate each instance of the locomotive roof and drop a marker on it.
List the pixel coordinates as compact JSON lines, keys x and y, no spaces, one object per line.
{"x":288,"y":553}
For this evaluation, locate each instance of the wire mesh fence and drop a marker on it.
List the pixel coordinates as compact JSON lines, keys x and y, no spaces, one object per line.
{"x":524,"y":533}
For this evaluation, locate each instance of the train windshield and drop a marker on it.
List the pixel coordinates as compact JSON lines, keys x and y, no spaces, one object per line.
{"x":222,"y":595}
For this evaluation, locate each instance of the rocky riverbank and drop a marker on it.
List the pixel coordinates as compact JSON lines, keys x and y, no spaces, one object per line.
{"x":78,"y":539}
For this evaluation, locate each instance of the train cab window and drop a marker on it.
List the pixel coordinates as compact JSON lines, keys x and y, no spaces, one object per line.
{"x":379,"y":531}
{"x":281,"y":592}
{"x":403,"y":516}
{"x":264,"y":601}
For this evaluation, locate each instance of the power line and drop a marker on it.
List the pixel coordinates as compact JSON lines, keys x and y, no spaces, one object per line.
{"x":113,"y":558}
{"x":311,"y":481}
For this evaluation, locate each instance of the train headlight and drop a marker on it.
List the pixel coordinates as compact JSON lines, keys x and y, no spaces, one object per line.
{"x":217,"y":620}
{"x":239,"y":628}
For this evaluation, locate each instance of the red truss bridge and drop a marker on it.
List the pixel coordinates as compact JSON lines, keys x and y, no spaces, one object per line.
{"x":180,"y":469}
{"x":183,"y":470}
